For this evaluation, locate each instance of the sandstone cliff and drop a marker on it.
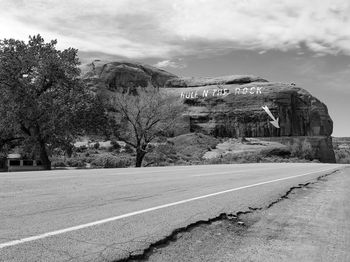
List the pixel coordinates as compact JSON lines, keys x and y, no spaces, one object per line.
{"x":119,"y":76}
{"x":239,"y":113}
{"x":230,"y":106}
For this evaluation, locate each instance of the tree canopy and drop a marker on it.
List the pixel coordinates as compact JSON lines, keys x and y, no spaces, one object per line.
{"x":42,"y":99}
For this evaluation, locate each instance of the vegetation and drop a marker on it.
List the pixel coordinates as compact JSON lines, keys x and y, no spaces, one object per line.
{"x":301,"y":149}
{"x":186,"y":149}
{"x":45,"y":107}
{"x":112,"y":161}
{"x":342,"y":155}
{"x":43,"y":102}
{"x":341,"y":146}
{"x":142,"y":117}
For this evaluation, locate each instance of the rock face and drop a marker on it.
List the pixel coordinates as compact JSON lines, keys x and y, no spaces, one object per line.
{"x":237,"y":112}
{"x":205,"y":81}
{"x":119,"y":76}
{"x":230,"y":106}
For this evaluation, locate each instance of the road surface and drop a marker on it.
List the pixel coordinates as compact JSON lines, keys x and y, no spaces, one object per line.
{"x":311,"y":224}
{"x":106,"y":215}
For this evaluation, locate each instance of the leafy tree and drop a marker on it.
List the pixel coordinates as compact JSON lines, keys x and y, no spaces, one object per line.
{"x":142,"y":117}
{"x":43,"y":102}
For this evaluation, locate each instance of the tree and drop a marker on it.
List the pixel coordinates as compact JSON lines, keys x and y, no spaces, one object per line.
{"x":144,"y":116}
{"x":43,"y":102}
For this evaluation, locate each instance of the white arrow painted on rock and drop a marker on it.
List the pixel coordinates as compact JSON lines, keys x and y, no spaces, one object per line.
{"x":275,"y":121}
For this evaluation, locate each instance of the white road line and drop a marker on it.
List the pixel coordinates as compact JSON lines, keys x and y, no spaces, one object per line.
{"x":99,"y":222}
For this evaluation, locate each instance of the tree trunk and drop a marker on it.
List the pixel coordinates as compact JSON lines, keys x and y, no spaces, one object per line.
{"x":44,"y":156}
{"x":139,"y":157}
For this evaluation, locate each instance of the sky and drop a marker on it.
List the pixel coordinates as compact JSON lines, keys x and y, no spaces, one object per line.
{"x":306,"y":42}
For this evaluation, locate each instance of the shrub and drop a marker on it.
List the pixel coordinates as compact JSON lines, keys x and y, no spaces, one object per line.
{"x":58,"y":163}
{"x":247,"y":157}
{"x":301,"y":149}
{"x":81,"y":149}
{"x":342,"y":156}
{"x":110,"y":161}
{"x":97,"y":145}
{"x":128,"y":149}
{"x":162,"y":155}
{"x":75,"y":162}
{"x":115,"y":145}
{"x":193,"y":146}
{"x":281,"y":152}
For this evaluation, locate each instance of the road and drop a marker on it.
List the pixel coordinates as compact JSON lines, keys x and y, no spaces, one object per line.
{"x":311,"y":224}
{"x":106,"y":215}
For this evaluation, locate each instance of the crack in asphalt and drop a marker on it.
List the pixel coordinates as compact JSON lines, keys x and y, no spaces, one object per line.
{"x":143,"y":255}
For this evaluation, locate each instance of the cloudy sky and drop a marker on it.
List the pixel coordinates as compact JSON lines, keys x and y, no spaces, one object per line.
{"x":301,"y":41}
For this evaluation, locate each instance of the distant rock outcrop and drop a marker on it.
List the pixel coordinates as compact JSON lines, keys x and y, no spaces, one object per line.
{"x":205,"y":81}
{"x":118,"y":76}
{"x":229,"y":106}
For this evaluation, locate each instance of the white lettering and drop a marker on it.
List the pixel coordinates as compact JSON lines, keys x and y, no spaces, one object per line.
{"x":205,"y":93}
{"x":252,"y":90}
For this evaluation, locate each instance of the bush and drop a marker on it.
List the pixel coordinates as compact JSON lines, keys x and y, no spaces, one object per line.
{"x":302,"y":150}
{"x":110,"y":161}
{"x":342,"y":156}
{"x":128,"y":149}
{"x":97,"y":145}
{"x":193,"y":146}
{"x":81,"y":149}
{"x":162,"y":155}
{"x":75,"y":162}
{"x":280,"y":152}
{"x":247,"y":157}
{"x":115,"y":145}
{"x":307,"y":151}
{"x":58,"y":163}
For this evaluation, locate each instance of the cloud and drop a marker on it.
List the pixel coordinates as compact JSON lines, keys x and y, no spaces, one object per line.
{"x":170,"y":64}
{"x":166,"y":29}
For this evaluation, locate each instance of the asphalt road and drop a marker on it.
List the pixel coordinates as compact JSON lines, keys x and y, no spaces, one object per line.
{"x":104,"y":215}
{"x":311,"y":225}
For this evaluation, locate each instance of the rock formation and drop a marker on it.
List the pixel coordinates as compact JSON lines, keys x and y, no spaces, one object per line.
{"x":230,"y":106}
{"x":205,"y":81}
{"x":119,"y":76}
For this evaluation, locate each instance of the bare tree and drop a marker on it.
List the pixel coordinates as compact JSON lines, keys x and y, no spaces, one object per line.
{"x":144,"y":115}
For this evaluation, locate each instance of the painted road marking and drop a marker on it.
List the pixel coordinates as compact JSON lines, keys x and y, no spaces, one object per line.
{"x":103,"y":221}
